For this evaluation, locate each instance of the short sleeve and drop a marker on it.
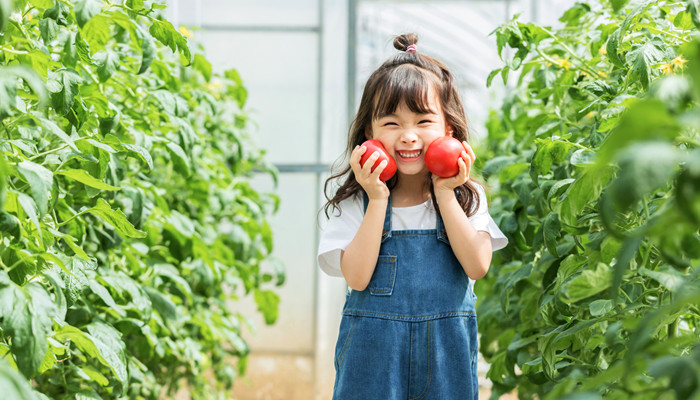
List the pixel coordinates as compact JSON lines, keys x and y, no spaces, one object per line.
{"x":337,"y":234}
{"x":482,"y":221}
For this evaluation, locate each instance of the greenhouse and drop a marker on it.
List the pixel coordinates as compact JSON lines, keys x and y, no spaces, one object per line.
{"x":349,"y":199}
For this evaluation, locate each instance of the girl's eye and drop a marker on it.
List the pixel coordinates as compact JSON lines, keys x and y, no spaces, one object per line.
{"x":390,"y":123}
{"x":425,"y":121}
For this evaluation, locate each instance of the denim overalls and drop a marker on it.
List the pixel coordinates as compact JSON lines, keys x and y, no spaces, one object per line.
{"x":411,"y":334}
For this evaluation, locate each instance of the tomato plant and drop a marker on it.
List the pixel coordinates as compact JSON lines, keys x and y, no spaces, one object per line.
{"x":442,"y":156}
{"x":128,"y":225}
{"x":595,"y":161}
{"x":372,"y":146}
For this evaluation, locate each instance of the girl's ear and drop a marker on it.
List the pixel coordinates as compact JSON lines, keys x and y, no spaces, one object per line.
{"x":448,"y":129}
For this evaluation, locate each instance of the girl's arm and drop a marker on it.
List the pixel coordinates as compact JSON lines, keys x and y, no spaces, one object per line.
{"x":359,"y":259}
{"x":471,"y":247}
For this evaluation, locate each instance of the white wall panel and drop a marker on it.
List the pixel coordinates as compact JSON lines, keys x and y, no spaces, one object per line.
{"x":280,"y":71}
{"x":294,"y":229}
{"x":236,"y":13}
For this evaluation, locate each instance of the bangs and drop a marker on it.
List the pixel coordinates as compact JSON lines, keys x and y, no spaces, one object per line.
{"x":409,"y":85}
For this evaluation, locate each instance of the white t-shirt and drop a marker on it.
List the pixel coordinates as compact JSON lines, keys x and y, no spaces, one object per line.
{"x":342,"y":227}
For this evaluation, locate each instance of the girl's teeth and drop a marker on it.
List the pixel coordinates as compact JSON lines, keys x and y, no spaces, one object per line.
{"x":411,"y":154}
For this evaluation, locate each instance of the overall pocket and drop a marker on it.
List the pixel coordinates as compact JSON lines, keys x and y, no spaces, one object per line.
{"x":382,"y":283}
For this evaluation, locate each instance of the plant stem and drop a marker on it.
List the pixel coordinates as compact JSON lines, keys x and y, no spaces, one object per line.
{"x":13,"y":51}
{"x":672,"y":328}
{"x":48,"y":152}
{"x":572,"y":53}
{"x":7,"y":131}
{"x":69,"y":219}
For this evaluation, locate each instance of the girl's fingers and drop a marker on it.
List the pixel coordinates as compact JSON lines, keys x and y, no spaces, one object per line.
{"x":367,"y":168}
{"x":469,"y":151}
{"x":378,"y":171}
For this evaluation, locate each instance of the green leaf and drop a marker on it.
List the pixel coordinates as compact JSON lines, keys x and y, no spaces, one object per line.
{"x":641,"y":59}
{"x":683,"y":20}
{"x":80,"y":339}
{"x":103,"y":294}
{"x":8,"y":86}
{"x":268,"y":304}
{"x":59,"y":298}
{"x":26,"y":317}
{"x":40,"y":182}
{"x":181,"y":224}
{"x":644,"y":168}
{"x":628,"y":250}
{"x":5,"y":11}
{"x":180,"y":160}
{"x":600,"y":88}
{"x":49,"y":29}
{"x":102,"y":343}
{"x":63,"y":100}
{"x":161,"y":303}
{"x":83,"y":177}
{"x":29,"y":207}
{"x":8,"y":95}
{"x":148,"y":50}
{"x":37,"y":60}
{"x":667,"y":276}
{"x":96,"y":376}
{"x":600,"y":307}
{"x":141,"y":152}
{"x":549,"y":152}
{"x":492,"y":75}
{"x":512,"y":171}
{"x":694,"y":10}
{"x":86,"y":9}
{"x":54,"y":129}
{"x":644,"y":120}
{"x":202,"y":65}
{"x":128,"y":288}
{"x":112,"y":348}
{"x":45,"y":4}
{"x":3,"y":179}
{"x":551,"y":231}
{"x":59,"y":13}
{"x":618,"y":4}
{"x":76,"y":279}
{"x":166,"y":33}
{"x":116,"y":219}
{"x":9,"y":224}
{"x":584,"y":190}
{"x":589,"y":283}
{"x":616,"y":37}
{"x":97,"y":32}
{"x":12,"y":384}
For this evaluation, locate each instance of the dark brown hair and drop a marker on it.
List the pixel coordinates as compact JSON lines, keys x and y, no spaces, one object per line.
{"x":406,"y":77}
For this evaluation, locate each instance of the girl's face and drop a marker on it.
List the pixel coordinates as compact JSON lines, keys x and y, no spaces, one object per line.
{"x":406,"y":135}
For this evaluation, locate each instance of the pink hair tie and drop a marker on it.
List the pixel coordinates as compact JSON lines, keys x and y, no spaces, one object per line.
{"x":411,"y":49}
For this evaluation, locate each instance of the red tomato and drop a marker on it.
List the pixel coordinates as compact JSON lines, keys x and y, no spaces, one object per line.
{"x":373,"y":145}
{"x":442,"y":155}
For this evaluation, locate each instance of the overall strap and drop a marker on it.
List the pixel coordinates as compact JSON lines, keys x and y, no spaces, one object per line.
{"x":440,"y":226}
{"x":386,"y":232}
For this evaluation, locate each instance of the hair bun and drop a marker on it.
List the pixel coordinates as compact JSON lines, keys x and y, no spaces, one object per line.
{"x":402,"y":42}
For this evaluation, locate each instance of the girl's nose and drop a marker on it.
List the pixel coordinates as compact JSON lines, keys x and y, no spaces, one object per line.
{"x":409,"y":137}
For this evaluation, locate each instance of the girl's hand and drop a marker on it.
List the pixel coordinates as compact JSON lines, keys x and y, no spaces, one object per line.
{"x":368,"y":179}
{"x":448,"y":185}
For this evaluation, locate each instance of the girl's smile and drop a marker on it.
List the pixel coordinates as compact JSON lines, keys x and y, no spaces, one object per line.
{"x":409,"y":155}
{"x":406,"y":134}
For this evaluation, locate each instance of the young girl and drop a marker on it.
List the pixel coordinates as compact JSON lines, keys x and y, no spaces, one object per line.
{"x":411,"y":248}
